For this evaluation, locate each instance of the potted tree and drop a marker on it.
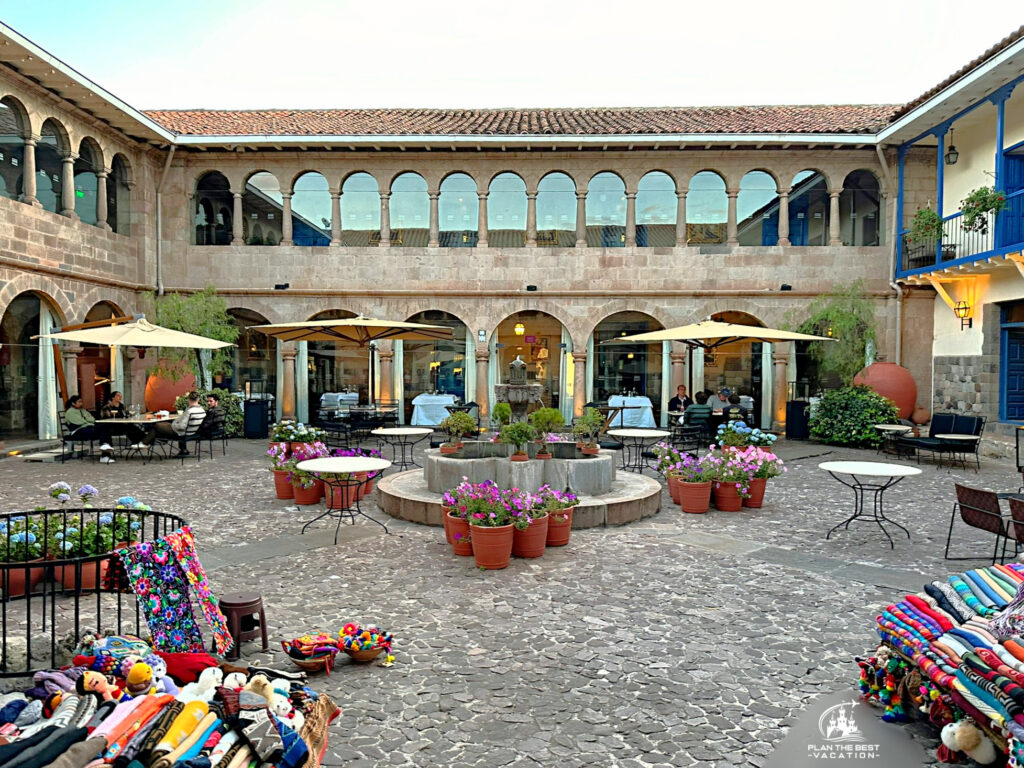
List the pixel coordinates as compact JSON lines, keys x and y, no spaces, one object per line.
{"x":588,"y":427}
{"x":501,"y":414}
{"x":545,"y":421}
{"x":456,"y":425}
{"x":518,"y":435}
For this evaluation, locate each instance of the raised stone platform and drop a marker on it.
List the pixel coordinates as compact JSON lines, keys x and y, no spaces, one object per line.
{"x":587,"y":476}
{"x":631,"y":497}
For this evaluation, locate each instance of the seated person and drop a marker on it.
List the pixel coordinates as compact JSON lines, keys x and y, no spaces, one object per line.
{"x":698,"y":414}
{"x":735,"y":411}
{"x":83,"y":426}
{"x":720,"y":403}
{"x":681,"y":401}
{"x":176,"y":428}
{"x":114,"y":409}
{"x":214,"y":421}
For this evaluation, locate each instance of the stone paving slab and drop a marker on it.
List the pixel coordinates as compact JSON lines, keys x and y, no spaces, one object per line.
{"x":678,"y":640}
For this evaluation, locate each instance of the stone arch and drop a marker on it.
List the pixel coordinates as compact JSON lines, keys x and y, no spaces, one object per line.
{"x":495,"y":175}
{"x":606,"y":210}
{"x":360,"y":210}
{"x":429,"y":365}
{"x":60,"y":132}
{"x":556,"y":209}
{"x":356,"y":172}
{"x":507,"y":207}
{"x":538,"y":343}
{"x":621,"y":368}
{"x":410,"y":209}
{"x":254,"y":356}
{"x":88,"y":165}
{"x":861,"y":209}
{"x":13,"y":122}
{"x":311,"y":209}
{"x":212,"y":195}
{"x":20,"y":113}
{"x":757,"y":208}
{"x":548,"y":307}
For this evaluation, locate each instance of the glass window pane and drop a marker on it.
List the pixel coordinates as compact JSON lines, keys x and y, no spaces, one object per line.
{"x":808,"y":209}
{"x":757,"y":210}
{"x":506,"y":211}
{"x":458,"y":210}
{"x":707,"y":209}
{"x":12,"y":152}
{"x":556,"y":211}
{"x":410,"y":211}
{"x":360,"y":211}
{"x":656,"y":206}
{"x":311,"y":210}
{"x":606,"y":211}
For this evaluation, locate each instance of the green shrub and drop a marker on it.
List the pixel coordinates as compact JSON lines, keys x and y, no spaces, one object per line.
{"x":546,"y":420}
{"x":230,"y":404}
{"x":502,"y":413}
{"x":848,"y":416}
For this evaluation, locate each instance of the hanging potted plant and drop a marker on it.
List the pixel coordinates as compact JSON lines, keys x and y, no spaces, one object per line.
{"x":545,"y":421}
{"x":529,"y":523}
{"x":455,"y":425}
{"x":588,"y":426}
{"x":559,"y":506}
{"x":490,"y":532}
{"x":518,"y":435}
{"x":279,"y":466}
{"x":977,"y":206}
{"x":925,"y":227}
{"x":766,"y":466}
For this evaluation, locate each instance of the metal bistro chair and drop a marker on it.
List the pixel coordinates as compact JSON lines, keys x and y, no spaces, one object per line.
{"x":68,"y":441}
{"x":688,"y":439}
{"x":979,"y":509}
{"x":194,"y":435}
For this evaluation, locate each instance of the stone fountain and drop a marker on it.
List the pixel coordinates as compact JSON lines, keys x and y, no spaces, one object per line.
{"x":518,"y":392}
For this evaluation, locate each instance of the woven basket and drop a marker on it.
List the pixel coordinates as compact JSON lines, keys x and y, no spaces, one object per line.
{"x":364,"y":656}
{"x":323,"y":663}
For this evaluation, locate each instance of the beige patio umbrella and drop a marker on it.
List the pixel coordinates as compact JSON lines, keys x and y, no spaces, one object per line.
{"x":354,"y":330}
{"x":140,"y":333}
{"x":709,"y":334}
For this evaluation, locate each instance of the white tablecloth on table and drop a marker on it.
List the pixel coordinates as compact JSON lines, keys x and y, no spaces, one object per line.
{"x":639,"y":411}
{"x":429,"y":410}
{"x":339,"y":399}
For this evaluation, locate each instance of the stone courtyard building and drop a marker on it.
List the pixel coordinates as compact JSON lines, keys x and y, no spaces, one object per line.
{"x":534,"y":232}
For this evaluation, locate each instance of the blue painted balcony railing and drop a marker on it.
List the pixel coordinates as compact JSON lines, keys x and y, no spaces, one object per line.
{"x":1005,"y":234}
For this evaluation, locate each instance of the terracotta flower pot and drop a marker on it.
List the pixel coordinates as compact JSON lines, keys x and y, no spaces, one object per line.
{"x":448,"y":450}
{"x":531,"y":542}
{"x":558,"y":529}
{"x":367,"y":487}
{"x":282,"y":485}
{"x":520,"y":457}
{"x":321,"y":489}
{"x":892,"y":381}
{"x":447,"y":523}
{"x":542,"y":456}
{"x":90,"y":576}
{"x":459,"y":528}
{"x":673,"y":488}
{"x":342,"y":496}
{"x":727,"y":497}
{"x":695,"y":498}
{"x":590,"y":451}
{"x":492,"y":547}
{"x":22,"y":581}
{"x":757,"y":486}
{"x":306,"y":496}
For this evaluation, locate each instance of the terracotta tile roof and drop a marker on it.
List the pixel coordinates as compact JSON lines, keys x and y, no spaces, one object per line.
{"x":1002,"y":45}
{"x":857,"y":118}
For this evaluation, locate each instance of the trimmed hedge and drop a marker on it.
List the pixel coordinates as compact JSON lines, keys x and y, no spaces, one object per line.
{"x":848,"y":416}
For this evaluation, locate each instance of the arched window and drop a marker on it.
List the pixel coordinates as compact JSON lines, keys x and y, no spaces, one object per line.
{"x":622,"y":368}
{"x":457,"y":212}
{"x":212,"y":198}
{"x":253,"y":358}
{"x":119,"y":197}
{"x":860,"y":219}
{"x":429,"y":366}
{"x":556,"y":211}
{"x":410,"y":211}
{"x":707,"y":209}
{"x":12,"y":148}
{"x":27,"y":378}
{"x":656,"y":206}
{"x":311,"y":210}
{"x":506,"y":211}
{"x":360,"y":211}
{"x":808,"y":209}
{"x":262,"y":203}
{"x":88,"y":164}
{"x":757,"y":210}
{"x":49,"y":153}
{"x":606,"y":211}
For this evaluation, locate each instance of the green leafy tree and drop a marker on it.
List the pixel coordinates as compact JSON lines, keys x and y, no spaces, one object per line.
{"x":848,"y":316}
{"x":848,"y":416}
{"x":205,"y":314}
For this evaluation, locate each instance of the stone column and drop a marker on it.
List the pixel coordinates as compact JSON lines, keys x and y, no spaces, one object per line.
{"x":680,"y":219}
{"x":780,"y":359}
{"x":386,"y":353}
{"x":385,"y":220}
{"x":731,"y":226}
{"x":435,"y":227}
{"x":483,"y":362}
{"x":288,"y":374}
{"x":531,"y":219}
{"x":238,"y":238}
{"x":833,"y":218}
{"x":581,"y":219}
{"x":784,"y":218}
{"x":678,"y":368}
{"x":67,"y":186}
{"x":579,"y":382}
{"x":101,"y":200}
{"x":286,"y":219}
{"x":630,"y":219}
{"x":481,"y":220}
{"x":70,"y":355}
{"x":335,"y":218}
{"x":28,"y":181}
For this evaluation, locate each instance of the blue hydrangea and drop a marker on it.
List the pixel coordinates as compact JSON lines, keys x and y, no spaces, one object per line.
{"x":126,"y":500}
{"x":135,"y":526}
{"x":106,"y":519}
{"x":63,"y":498}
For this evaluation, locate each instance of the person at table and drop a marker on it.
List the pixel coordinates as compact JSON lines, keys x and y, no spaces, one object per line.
{"x":83,"y":426}
{"x":734,"y":411}
{"x":114,"y":409}
{"x":176,"y":428}
{"x":699,"y":413}
{"x":720,"y":403}
{"x":214,"y":420}
{"x":681,"y":401}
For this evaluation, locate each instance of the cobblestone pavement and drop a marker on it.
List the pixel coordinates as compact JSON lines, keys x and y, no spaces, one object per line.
{"x":679,"y":640}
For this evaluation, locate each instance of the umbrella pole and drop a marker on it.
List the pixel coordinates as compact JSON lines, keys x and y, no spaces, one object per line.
{"x":373,"y":349}
{"x":689,"y":370}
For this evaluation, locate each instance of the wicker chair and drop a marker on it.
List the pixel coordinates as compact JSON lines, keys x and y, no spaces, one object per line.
{"x":979,"y":509}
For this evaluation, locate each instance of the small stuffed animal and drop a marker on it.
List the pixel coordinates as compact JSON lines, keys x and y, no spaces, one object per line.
{"x":235,"y":681}
{"x":140,"y":679}
{"x":260,"y":684}
{"x":97,"y":683}
{"x":282,"y":708}
{"x":204,"y":688}
{"x":161,"y":681}
{"x":964,"y":736}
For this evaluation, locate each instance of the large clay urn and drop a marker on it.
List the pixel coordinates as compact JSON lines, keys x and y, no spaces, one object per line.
{"x":891,"y":381}
{"x":161,"y":391}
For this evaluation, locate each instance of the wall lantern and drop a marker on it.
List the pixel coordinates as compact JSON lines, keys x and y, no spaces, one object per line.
{"x":962,"y":309}
{"x":520,"y":329}
{"x":951,"y":154}
{"x":481,"y":335}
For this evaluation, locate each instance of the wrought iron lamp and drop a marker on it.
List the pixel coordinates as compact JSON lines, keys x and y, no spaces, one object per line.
{"x":951,"y":154}
{"x":962,"y":310}
{"x":520,"y":329}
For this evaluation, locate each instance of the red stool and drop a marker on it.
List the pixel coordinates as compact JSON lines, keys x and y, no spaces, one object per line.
{"x":246,"y":620}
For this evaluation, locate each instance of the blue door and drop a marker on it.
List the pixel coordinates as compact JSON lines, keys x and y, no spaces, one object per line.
{"x":1010,"y":224}
{"x":1013,"y":374}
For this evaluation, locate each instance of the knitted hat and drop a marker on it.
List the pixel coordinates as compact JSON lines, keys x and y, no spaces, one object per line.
{"x":29,"y":714}
{"x":12,"y":709}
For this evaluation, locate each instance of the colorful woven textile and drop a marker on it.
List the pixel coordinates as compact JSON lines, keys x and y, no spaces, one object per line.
{"x":162,"y":589}
{"x":183,"y":544}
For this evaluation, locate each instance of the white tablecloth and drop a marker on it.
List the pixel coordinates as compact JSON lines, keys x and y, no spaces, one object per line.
{"x":639,"y":412}
{"x":429,"y":410}
{"x":339,"y":399}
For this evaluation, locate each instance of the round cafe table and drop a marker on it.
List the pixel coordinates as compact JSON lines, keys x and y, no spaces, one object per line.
{"x":633,"y":443}
{"x":959,"y":446}
{"x":402,"y":441}
{"x":868,"y":477}
{"x":891,"y":434}
{"x":339,"y":472}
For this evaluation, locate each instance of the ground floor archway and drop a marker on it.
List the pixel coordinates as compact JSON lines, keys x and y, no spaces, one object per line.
{"x":543,"y":343}
{"x":28,"y":382}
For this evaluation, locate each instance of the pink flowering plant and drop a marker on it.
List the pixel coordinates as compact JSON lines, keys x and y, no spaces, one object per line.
{"x":667,"y":456}
{"x":555,"y":503}
{"x":369,"y":453}
{"x":305,"y":452}
{"x":730,"y":469}
{"x":278,"y":455}
{"x":690,"y":469}
{"x":766,"y":464}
